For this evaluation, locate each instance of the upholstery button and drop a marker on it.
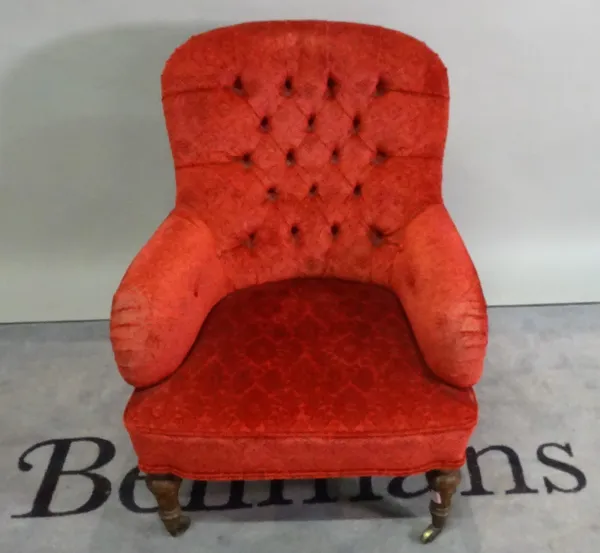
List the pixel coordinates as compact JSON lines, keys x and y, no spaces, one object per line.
{"x":376,"y":236}
{"x":290,"y":158}
{"x":332,"y":86}
{"x":287,"y":87}
{"x":238,"y":86}
{"x":380,"y":157}
{"x":313,"y":190}
{"x":247,"y":159}
{"x":265,"y":125}
{"x":358,"y":190}
{"x":272,"y":193}
{"x":380,"y":88}
{"x":335,"y":229}
{"x":356,"y":123}
{"x":250,"y":240}
{"x":335,"y":156}
{"x":294,"y":230}
{"x":311,"y":122}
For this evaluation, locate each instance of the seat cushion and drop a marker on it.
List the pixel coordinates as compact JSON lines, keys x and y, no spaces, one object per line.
{"x":302,"y":378}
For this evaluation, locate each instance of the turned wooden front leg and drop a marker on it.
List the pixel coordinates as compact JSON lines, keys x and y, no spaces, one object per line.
{"x":443,"y":484}
{"x":165,"y":488}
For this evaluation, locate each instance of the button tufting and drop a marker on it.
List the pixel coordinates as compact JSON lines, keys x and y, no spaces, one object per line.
{"x":247,"y":159}
{"x":380,"y":157}
{"x":335,"y":229}
{"x":358,"y":190}
{"x":272,"y":193}
{"x":265,"y":124}
{"x":290,"y":158}
{"x":294,"y":230}
{"x":238,"y":86}
{"x":380,"y":88}
{"x":335,"y":156}
{"x":287,"y":87}
{"x":250,"y":240}
{"x":376,"y":236}
{"x":311,"y":122}
{"x":356,"y":123}
{"x":313,"y":190}
{"x":332,"y":86}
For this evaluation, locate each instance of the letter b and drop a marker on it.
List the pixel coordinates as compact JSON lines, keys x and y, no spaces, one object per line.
{"x":55,"y":470}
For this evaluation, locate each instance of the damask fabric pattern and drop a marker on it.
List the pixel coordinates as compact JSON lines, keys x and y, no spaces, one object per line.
{"x":302,"y":150}
{"x":308,"y":377}
{"x":291,"y":160}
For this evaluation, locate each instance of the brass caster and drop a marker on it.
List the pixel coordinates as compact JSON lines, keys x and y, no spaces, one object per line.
{"x":430,"y":533}
{"x":177,"y":526}
{"x":443,"y":484}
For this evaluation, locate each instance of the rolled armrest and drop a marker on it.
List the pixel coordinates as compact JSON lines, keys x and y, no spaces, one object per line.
{"x":163,"y":299}
{"x":440,"y":291}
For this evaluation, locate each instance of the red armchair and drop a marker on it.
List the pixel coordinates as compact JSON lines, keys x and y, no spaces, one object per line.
{"x":308,"y":309}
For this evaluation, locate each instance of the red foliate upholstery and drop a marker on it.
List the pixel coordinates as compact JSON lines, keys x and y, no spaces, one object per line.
{"x":302,"y":150}
{"x":163,"y":299}
{"x":312,"y":377}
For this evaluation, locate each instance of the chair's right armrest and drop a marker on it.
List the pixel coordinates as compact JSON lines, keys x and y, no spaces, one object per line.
{"x":163,"y":299}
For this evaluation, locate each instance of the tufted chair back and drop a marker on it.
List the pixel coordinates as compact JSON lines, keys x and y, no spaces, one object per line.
{"x":306,"y":147}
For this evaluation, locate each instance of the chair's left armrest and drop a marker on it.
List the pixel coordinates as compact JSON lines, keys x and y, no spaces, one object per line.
{"x":440,"y":291}
{"x":163,"y":299}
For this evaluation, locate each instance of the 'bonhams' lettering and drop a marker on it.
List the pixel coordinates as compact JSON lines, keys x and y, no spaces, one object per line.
{"x":557,"y":457}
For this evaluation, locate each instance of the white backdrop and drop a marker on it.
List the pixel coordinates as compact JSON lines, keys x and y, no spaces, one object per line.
{"x":86,"y":174}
